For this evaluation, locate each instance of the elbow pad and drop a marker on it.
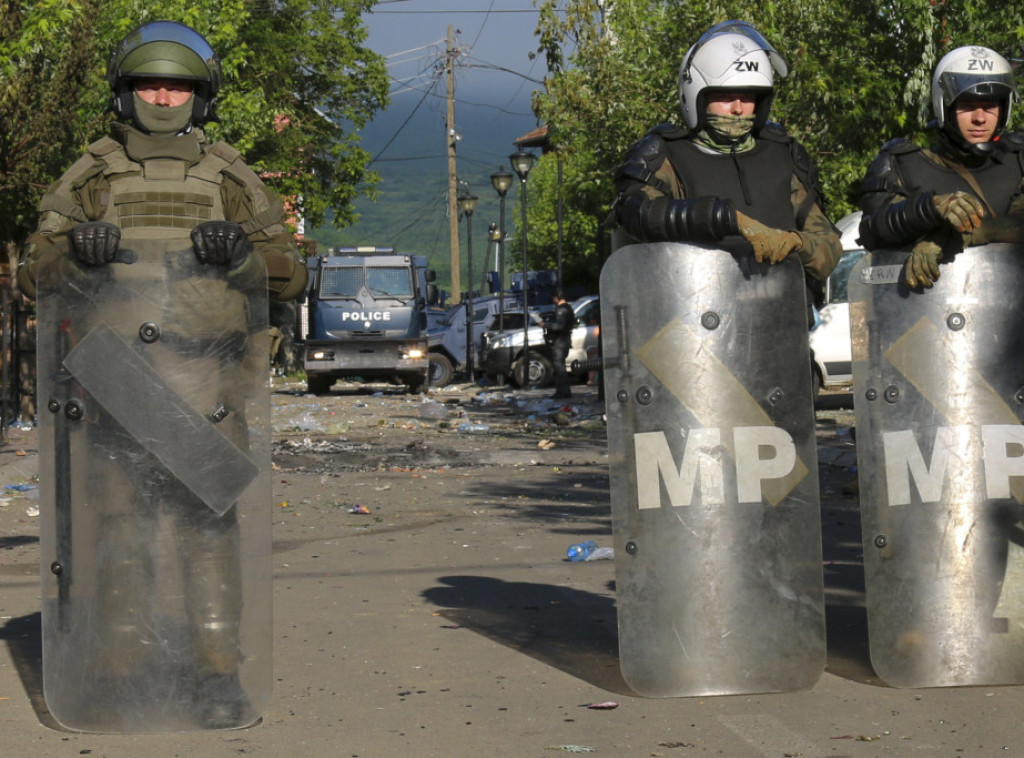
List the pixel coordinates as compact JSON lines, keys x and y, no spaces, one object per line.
{"x":909,"y":219}
{"x":666,"y":219}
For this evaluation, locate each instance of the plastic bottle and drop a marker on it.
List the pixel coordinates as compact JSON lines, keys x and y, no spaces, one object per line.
{"x":468,"y":427}
{"x":580,"y":550}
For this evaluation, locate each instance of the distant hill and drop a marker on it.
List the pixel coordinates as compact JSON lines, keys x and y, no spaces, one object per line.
{"x":411,"y":212}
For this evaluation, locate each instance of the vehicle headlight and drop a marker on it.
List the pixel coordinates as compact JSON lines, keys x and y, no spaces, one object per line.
{"x":321,"y":355}
{"x":414,"y":352}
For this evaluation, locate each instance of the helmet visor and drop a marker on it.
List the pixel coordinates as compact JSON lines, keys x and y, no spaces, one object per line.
{"x":989,"y":87}
{"x":746,"y":30}
{"x":169,"y":31}
{"x":164,"y":49}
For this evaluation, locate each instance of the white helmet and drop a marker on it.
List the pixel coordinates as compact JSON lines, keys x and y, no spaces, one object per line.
{"x":729,"y":56}
{"x":978,"y":73}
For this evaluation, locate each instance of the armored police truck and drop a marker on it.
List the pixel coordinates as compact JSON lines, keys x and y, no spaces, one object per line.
{"x":366,"y":317}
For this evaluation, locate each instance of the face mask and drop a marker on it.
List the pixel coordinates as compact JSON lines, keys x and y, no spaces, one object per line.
{"x":161,"y":119}
{"x":722,"y":133}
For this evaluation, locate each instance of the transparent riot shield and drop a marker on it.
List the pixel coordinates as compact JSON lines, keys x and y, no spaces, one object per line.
{"x":154,"y":452}
{"x":939,"y":395}
{"x":713,"y":463}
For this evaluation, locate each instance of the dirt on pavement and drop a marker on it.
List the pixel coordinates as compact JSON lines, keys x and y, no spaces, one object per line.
{"x":424,"y":606}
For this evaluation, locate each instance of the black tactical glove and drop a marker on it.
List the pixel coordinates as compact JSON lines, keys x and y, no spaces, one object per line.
{"x":94,"y":243}
{"x":221,"y":243}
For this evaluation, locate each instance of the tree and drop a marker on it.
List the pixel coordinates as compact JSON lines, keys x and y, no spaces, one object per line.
{"x":860,"y":74}
{"x":298,"y":82}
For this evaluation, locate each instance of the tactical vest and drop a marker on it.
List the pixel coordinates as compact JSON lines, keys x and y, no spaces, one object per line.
{"x":999,"y":178}
{"x":162,"y":198}
{"x":767,"y":171}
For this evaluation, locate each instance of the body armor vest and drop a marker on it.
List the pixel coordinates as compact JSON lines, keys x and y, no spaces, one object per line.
{"x":998,"y":179}
{"x":767,"y":172}
{"x":162,"y":198}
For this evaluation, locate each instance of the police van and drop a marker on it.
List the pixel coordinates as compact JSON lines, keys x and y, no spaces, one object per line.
{"x":366,"y":317}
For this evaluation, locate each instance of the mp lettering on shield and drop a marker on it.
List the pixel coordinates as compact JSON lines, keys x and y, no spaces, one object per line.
{"x":757,"y":453}
{"x":1001,"y":451}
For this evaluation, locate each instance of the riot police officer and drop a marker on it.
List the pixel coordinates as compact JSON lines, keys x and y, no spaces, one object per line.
{"x":155,"y":184}
{"x":728,"y":176}
{"x":164,"y":78}
{"x":558,"y":334}
{"x":965,"y":189}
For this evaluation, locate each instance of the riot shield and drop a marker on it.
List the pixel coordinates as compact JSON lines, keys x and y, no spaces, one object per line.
{"x":939,"y":394}
{"x":713,"y":465}
{"x":154,"y":448}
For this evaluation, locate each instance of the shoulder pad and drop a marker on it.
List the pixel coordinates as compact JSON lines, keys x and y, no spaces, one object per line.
{"x":103,"y":146}
{"x":225,"y":151}
{"x":881,"y":175}
{"x":900,"y":146}
{"x":669,"y":131}
{"x":774,"y":132}
{"x":1012,"y":141}
{"x":649,"y":150}
{"x":91,"y":164}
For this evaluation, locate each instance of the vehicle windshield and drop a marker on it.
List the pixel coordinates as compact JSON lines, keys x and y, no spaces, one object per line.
{"x":346,"y":281}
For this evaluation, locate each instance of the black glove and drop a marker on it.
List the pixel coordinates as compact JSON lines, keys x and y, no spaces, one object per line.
{"x":94,"y":243}
{"x":221,"y":243}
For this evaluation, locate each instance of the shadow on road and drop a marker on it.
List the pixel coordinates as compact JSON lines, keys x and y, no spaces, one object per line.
{"x":24,"y":638}
{"x":571,"y":630}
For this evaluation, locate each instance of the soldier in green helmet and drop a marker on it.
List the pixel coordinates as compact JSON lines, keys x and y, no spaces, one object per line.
{"x":164,"y":79}
{"x":166,"y":468}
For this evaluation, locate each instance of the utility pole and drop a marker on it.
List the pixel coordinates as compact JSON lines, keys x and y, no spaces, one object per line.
{"x":453,"y":203}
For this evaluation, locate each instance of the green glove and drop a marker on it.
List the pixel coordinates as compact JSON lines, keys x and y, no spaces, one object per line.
{"x":772,"y":245}
{"x":961,"y":209}
{"x":923,"y":264}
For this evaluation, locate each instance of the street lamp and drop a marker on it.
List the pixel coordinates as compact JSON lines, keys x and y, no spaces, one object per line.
{"x":501,"y":180}
{"x":467,"y":203}
{"x":522,"y":162}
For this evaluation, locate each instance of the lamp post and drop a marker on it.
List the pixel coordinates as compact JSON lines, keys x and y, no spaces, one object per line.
{"x":467,"y":203}
{"x":501,"y":180}
{"x":522,"y":162}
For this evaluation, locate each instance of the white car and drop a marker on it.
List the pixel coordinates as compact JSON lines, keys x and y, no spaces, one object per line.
{"x":503,"y":351}
{"x":830,"y":337}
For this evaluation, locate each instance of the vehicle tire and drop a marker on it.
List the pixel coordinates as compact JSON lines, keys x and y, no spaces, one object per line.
{"x":815,"y":383}
{"x":318,"y":384}
{"x":441,"y":370}
{"x":541,"y":372}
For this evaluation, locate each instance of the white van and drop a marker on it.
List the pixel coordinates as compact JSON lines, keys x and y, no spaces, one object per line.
{"x":830,"y":337}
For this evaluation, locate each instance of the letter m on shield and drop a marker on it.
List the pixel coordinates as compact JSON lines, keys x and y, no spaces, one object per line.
{"x":656,"y":464}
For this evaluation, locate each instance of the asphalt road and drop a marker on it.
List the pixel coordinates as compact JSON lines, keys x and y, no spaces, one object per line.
{"x":446,"y":622}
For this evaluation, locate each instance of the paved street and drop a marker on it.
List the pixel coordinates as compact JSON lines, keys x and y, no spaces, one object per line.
{"x":445,"y":621}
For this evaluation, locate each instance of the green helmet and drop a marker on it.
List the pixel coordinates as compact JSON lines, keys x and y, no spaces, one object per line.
{"x":164,"y":50}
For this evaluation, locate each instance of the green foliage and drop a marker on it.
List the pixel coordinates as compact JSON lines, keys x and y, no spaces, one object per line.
{"x":299,"y":82}
{"x":860,"y":74}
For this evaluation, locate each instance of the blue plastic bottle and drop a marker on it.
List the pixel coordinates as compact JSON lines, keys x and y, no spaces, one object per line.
{"x":580,"y":550}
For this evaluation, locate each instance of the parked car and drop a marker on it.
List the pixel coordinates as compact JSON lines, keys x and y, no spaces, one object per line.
{"x":832,"y":361}
{"x":503,"y":350}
